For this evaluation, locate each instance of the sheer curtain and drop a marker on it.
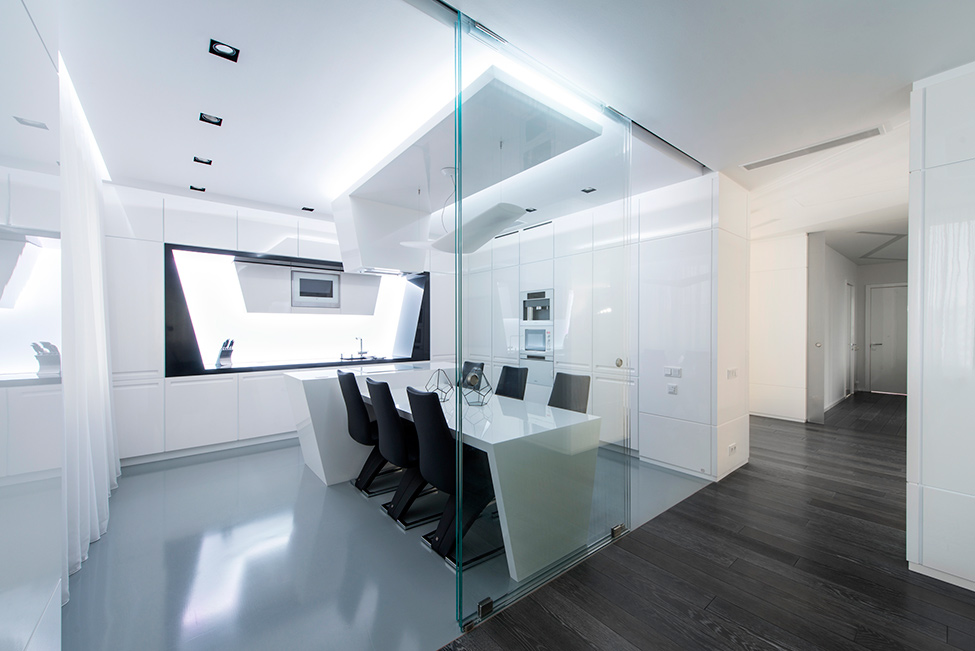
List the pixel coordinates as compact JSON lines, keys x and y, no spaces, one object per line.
{"x":91,"y":462}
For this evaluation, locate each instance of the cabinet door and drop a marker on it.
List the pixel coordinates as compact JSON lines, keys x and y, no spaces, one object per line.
{"x":139,"y":417}
{"x":34,"y":201}
{"x":505,"y":311}
{"x":264,"y":406}
{"x":573,"y":233}
{"x":610,"y":224}
{"x":200,"y":411}
{"x":614,"y":400}
{"x":573,"y":313}
{"x":614,"y":310}
{"x":318,"y":240}
{"x":200,"y":223}
{"x":536,"y":243}
{"x":133,"y":213}
{"x":675,"y":442}
{"x":504,"y":250}
{"x":260,"y":231}
{"x":3,"y":432}
{"x":442,"y":317}
{"x":36,"y":428}
{"x":477,"y":313}
{"x":134,"y":274}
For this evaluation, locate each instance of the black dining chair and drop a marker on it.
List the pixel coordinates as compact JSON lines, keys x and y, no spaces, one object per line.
{"x":399,"y":446}
{"x":363,"y":430}
{"x":570,"y":392}
{"x":512,"y":382}
{"x":438,"y":465}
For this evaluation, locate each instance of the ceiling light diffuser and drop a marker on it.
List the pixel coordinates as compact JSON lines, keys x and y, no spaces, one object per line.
{"x":31,"y":123}
{"x":211,"y":119}
{"x":203,"y":161}
{"x":812,"y":149}
{"x":224,"y":51}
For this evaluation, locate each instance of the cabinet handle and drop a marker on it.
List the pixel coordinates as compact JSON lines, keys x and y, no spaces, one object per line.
{"x":619,"y":362}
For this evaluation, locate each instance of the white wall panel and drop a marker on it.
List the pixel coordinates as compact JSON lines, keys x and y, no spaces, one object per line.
{"x":134,"y":275}
{"x":675,"y":209}
{"x":573,"y":233}
{"x":732,"y":214}
{"x":615,"y":400}
{"x":139,"y":417}
{"x":505,"y":313}
{"x":504,"y":250}
{"x":35,"y":418}
{"x":949,"y":124}
{"x":779,"y":253}
{"x":442,"y":317}
{"x":479,"y":260}
{"x":536,"y":275}
{"x":133,"y":213}
{"x":34,"y":201}
{"x":260,"y":231}
{"x":200,"y":411}
{"x":675,"y":442}
{"x":731,"y":335}
{"x":615,"y":296}
{"x":200,"y":223}
{"x":573,"y":303}
{"x":610,"y":225}
{"x":478,"y":321}
{"x":732,"y":433}
{"x":675,"y":326}
{"x":840,"y":272}
{"x":788,"y":403}
{"x":3,"y":432}
{"x":948,"y":532}
{"x":263,"y":405}
{"x":536,"y":243}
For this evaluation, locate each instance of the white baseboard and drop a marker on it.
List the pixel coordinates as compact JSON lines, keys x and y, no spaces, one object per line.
{"x":942,"y":576}
{"x":204,"y":449}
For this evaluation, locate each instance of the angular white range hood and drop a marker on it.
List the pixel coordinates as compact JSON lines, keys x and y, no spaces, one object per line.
{"x":386,"y":219}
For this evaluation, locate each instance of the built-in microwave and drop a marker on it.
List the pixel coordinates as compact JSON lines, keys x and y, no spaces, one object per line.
{"x":314,"y":289}
{"x":536,"y":341}
{"x":536,"y":306}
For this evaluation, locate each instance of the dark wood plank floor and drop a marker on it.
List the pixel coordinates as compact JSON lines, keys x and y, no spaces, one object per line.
{"x":803,"y":548}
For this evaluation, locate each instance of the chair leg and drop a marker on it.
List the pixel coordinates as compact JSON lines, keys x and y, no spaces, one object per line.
{"x":474,"y":504}
{"x":370,"y":469}
{"x":445,"y":527}
{"x":409,"y":488}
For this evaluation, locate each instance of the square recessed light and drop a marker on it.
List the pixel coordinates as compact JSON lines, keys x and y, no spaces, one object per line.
{"x":203,"y":161}
{"x":307,"y":209}
{"x":530,"y":209}
{"x":31,"y":123}
{"x":224,"y":51}
{"x":211,"y":119}
{"x":588,"y":190}
{"x":197,"y":189}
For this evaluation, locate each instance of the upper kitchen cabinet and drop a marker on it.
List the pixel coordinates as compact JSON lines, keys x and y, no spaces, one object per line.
{"x":574,"y":312}
{"x":505,"y":250}
{"x":260,"y":231}
{"x":133,"y":213}
{"x":195,"y":222}
{"x":32,"y":200}
{"x":537,"y":243}
{"x":679,"y":208}
{"x":611,"y":225}
{"x":573,"y":233}
{"x":317,"y":239}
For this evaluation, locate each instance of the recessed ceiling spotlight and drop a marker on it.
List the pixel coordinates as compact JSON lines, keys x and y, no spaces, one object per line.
{"x":224,"y":51}
{"x":588,"y":190}
{"x":197,"y":189}
{"x":530,"y":209}
{"x":31,"y":123}
{"x":211,"y":119}
{"x":203,"y":161}
{"x":307,"y":209}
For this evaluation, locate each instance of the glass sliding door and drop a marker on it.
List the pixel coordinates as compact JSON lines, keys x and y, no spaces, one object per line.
{"x":545,"y":338}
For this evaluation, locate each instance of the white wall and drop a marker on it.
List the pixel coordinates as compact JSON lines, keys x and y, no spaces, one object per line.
{"x":777,"y":327}
{"x":941,"y":329}
{"x":871,"y":274}
{"x":840,"y":271}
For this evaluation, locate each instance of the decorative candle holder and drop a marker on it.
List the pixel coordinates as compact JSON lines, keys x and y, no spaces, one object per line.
{"x":440,"y":384}
{"x":477,"y":390}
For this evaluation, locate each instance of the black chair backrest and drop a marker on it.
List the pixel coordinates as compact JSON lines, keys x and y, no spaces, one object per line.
{"x":512,"y":382}
{"x":359,"y":424}
{"x":437,"y":446}
{"x":570,"y":392}
{"x":466,"y":370}
{"x":393,"y":443}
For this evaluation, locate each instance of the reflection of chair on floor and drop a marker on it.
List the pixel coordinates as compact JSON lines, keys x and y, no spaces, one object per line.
{"x":438,"y":466}
{"x":570,"y":392}
{"x":512,"y":382}
{"x":365,"y":431}
{"x":398,"y":444}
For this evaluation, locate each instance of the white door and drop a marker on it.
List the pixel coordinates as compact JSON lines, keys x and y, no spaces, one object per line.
{"x":850,"y":342}
{"x":888,"y":339}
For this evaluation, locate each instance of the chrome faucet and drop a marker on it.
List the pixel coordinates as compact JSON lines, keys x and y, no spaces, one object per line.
{"x":362,"y":345}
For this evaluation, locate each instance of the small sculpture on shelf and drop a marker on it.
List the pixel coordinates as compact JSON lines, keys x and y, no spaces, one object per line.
{"x":441,"y":385}
{"x":477,"y":390}
{"x":48,"y":358}
{"x":226,"y":350}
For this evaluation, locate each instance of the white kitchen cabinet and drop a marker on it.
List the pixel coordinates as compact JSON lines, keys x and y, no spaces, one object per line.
{"x":477,"y":321}
{"x":536,"y":275}
{"x":260,"y":231}
{"x":679,"y":208}
{"x":134,"y":274}
{"x":133,"y":213}
{"x":264,"y":406}
{"x":614,"y":399}
{"x":34,"y":201}
{"x":614,"y":310}
{"x":139,"y":417}
{"x":536,"y":243}
{"x":442,"y":317}
{"x":675,"y":327}
{"x":948,"y":127}
{"x":195,"y":222}
{"x":948,"y":532}
{"x":674,"y":442}
{"x":573,"y":303}
{"x":505,"y":313}
{"x":35,"y":422}
{"x":317,"y":239}
{"x":573,"y":233}
{"x":610,"y":224}
{"x":200,"y":410}
{"x":3,"y":432}
{"x":479,"y":260}
{"x":504,"y":250}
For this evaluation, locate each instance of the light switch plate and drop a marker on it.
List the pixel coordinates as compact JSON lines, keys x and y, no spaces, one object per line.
{"x":672,"y":389}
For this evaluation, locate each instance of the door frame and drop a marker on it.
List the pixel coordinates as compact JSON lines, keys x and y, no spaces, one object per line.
{"x":851,"y":356}
{"x":866,"y":327}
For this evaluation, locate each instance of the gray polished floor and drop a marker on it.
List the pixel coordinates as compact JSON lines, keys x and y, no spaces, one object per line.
{"x":252,"y":551}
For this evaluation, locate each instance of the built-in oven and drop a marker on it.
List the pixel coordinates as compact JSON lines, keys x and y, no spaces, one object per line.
{"x":536,"y":307}
{"x":536,"y":353}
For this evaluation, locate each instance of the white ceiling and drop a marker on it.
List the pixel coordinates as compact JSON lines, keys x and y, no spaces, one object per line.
{"x":872,"y":247}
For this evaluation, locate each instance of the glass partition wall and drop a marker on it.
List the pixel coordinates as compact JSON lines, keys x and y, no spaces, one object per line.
{"x":545,"y":354}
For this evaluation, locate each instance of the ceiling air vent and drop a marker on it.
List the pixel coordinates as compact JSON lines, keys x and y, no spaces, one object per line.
{"x":812,"y":149}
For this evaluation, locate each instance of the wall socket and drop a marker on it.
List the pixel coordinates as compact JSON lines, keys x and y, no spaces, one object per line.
{"x":732,"y":449}
{"x":732,"y":373}
{"x":672,"y":389}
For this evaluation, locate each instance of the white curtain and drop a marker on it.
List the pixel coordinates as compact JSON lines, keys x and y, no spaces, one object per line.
{"x":91,"y":462}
